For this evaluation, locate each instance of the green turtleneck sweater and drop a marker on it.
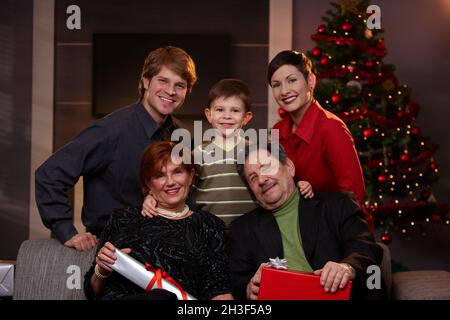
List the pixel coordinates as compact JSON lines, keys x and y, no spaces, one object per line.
{"x":287,"y":218}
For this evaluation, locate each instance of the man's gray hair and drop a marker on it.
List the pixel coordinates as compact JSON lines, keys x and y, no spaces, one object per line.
{"x":278,"y":153}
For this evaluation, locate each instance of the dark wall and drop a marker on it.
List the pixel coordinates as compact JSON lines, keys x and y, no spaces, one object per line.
{"x":16,"y":35}
{"x":246,"y":22}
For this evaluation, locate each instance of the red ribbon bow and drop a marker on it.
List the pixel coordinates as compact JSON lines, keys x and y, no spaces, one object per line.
{"x":157,"y":278}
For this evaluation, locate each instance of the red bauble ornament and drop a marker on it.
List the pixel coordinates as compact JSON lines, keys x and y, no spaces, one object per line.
{"x":413,"y":108}
{"x":321,"y":28}
{"x":433,"y":165}
{"x":282,"y":113}
{"x":386,"y":238}
{"x":400,"y":114}
{"x":435,"y":218}
{"x":404,"y":157}
{"x":381,"y":178}
{"x":369,"y":64}
{"x":367,"y":133}
{"x":346,"y":26}
{"x":415,"y":131}
{"x":336,"y":98}
{"x":380,"y":45}
{"x":323,"y":61}
{"x":316,"y":52}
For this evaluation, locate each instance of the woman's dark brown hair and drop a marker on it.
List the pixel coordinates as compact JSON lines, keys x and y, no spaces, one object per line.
{"x":290,"y":57}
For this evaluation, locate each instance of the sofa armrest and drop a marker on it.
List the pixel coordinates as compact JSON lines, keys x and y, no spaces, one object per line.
{"x":42,"y":271}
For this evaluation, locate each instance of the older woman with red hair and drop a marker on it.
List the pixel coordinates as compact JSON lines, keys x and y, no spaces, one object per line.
{"x":189,"y":245}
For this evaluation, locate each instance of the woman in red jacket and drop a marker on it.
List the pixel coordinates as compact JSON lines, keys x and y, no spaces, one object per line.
{"x":317,"y":141}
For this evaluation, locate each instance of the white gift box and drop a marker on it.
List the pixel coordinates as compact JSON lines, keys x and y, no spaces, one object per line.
{"x":6,"y":279}
{"x":136,"y":272}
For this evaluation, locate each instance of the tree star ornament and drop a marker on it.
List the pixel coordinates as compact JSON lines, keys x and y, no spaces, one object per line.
{"x":349,"y":5}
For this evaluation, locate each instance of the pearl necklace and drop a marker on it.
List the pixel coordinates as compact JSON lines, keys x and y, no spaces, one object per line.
{"x":173,"y":214}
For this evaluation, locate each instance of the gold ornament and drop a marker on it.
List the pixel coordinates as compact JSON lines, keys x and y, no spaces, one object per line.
{"x":368,"y":34}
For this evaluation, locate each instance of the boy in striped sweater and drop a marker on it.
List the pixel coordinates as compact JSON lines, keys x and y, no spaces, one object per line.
{"x":218,"y":188}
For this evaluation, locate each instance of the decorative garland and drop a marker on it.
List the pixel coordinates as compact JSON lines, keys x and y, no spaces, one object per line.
{"x":378,"y":52}
{"x":405,"y":118}
{"x":339,"y":72}
{"x":412,"y":162}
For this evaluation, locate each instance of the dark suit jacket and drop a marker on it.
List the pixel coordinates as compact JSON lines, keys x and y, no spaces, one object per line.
{"x":331,"y":229}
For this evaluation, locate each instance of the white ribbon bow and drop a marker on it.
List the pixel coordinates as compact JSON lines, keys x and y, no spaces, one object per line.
{"x":278,"y":263}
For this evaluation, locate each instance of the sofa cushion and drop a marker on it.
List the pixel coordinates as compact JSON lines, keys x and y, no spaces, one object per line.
{"x":421,"y":285}
{"x":42,"y":271}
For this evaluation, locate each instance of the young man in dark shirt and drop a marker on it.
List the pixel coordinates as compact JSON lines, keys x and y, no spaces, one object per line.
{"x":107,"y":154}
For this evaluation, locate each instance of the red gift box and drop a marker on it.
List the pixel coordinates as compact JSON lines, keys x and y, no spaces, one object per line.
{"x":293,"y":285}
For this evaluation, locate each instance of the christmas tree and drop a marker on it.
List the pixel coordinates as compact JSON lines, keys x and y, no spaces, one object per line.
{"x":354,"y":83}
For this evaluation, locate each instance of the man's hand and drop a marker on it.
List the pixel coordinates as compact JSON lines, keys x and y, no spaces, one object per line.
{"x":305,"y":189}
{"x":253,"y":285}
{"x":82,"y":241}
{"x":149,"y":207}
{"x":335,"y":275}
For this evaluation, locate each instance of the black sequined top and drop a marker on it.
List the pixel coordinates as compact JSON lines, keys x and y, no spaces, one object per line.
{"x":191,"y":250}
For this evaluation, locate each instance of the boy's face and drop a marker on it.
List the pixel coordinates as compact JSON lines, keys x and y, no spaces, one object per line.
{"x":227,"y":115}
{"x":164,"y":93}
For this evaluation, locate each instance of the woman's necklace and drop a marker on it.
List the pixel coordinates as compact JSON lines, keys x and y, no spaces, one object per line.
{"x":174,"y":214}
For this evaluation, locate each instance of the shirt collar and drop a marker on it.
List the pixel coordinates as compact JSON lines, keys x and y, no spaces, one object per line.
{"x":305,"y":129}
{"x":149,"y":124}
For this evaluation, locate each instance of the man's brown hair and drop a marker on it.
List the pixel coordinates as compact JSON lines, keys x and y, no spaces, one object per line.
{"x":175,"y":59}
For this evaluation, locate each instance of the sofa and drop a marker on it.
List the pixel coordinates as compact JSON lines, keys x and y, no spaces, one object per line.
{"x":46,"y":270}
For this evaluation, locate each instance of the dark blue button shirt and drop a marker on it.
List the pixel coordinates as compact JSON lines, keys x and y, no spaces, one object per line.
{"x":107,"y":155}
